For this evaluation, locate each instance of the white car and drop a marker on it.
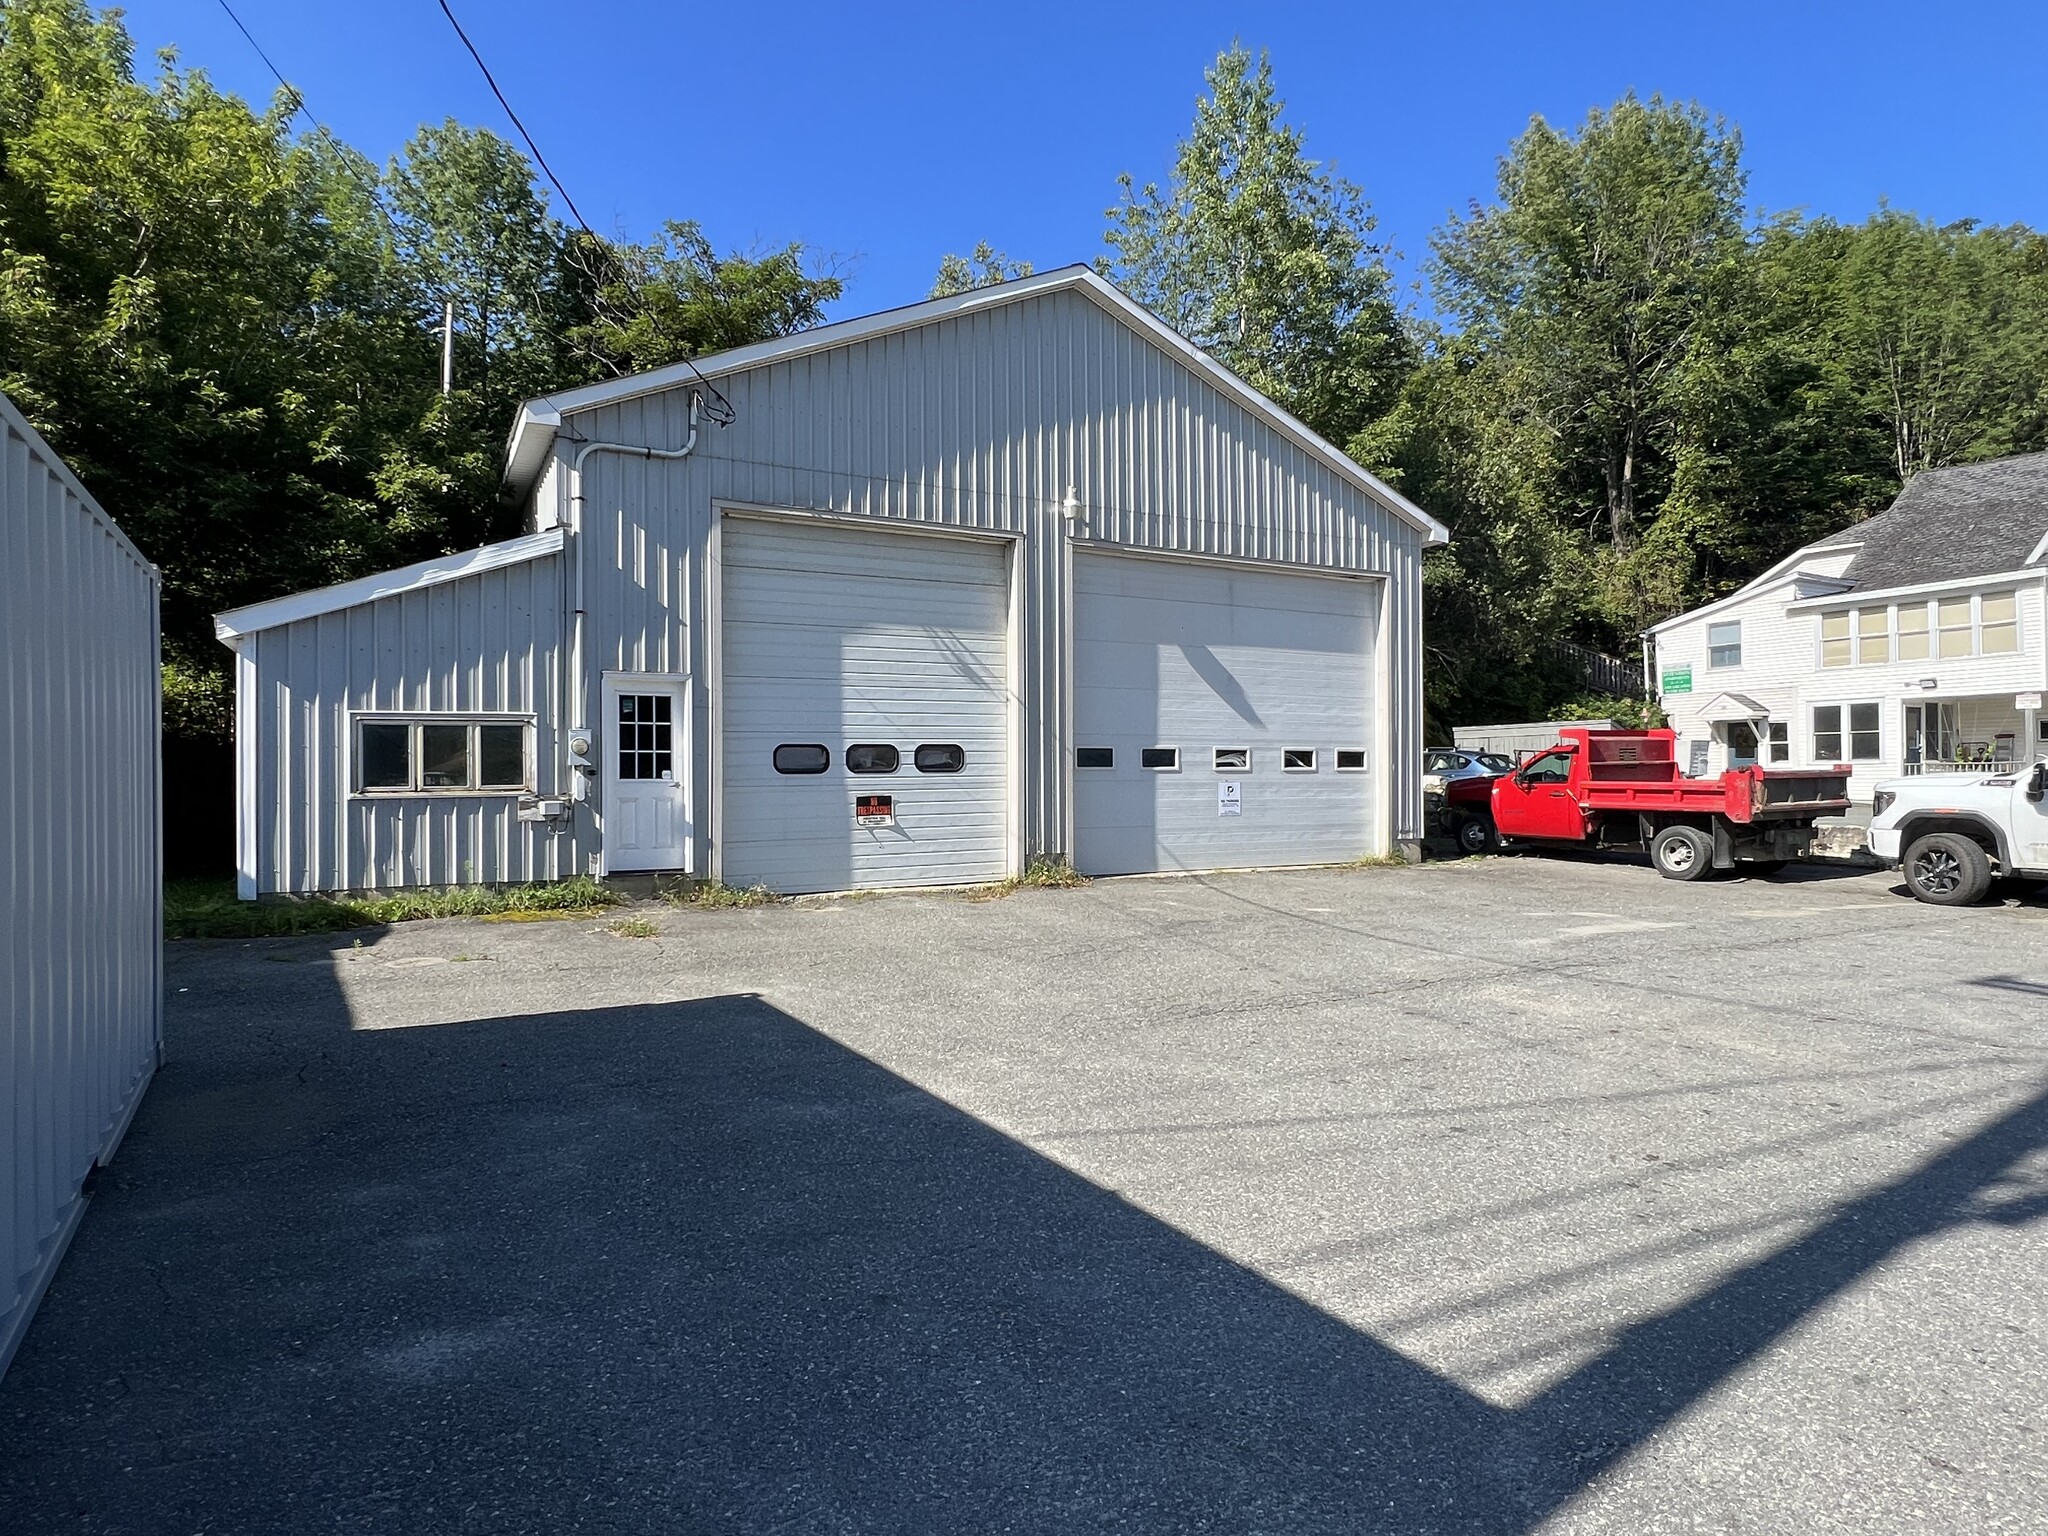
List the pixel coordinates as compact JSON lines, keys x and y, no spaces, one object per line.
{"x":1953,"y":833}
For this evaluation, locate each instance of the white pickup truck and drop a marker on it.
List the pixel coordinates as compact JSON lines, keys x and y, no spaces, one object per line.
{"x":1953,"y":834}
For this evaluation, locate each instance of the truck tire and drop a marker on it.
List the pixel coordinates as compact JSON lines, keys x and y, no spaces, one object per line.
{"x":1946,"y":869}
{"x":1682,"y":853}
{"x":1476,"y":835}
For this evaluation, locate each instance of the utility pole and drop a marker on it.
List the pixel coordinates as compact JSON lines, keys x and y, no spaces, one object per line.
{"x":448,"y":346}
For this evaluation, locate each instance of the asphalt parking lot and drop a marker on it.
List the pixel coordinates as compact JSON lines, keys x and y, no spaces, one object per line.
{"x":1498,"y":1196}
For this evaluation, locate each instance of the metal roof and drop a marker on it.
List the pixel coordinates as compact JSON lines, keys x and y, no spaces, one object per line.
{"x":533,"y":431}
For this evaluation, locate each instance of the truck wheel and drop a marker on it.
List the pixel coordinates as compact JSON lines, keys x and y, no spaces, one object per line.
{"x":1947,"y":870}
{"x":1682,"y":853}
{"x":1476,"y":835}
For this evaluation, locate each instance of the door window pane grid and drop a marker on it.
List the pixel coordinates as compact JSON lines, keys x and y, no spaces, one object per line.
{"x":646,"y":736}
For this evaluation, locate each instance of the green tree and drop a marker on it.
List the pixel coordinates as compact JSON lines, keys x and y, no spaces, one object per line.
{"x":648,"y":305}
{"x":984,"y":267}
{"x":1599,"y":288}
{"x":1265,"y":258}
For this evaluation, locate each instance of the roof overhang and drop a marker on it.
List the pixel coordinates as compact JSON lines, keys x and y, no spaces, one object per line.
{"x":534,"y":429}
{"x":1729,"y":708}
{"x":1761,"y":585}
{"x":1852,"y":599}
{"x":256,"y":617}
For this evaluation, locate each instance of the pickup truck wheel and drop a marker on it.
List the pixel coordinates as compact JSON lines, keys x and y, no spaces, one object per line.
{"x":1476,"y":835}
{"x":1947,"y":869}
{"x":1682,"y":853}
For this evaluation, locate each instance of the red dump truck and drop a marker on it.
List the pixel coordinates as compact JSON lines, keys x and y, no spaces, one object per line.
{"x":1622,"y":789}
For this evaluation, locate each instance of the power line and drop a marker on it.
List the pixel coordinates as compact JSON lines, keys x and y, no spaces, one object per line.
{"x":539,"y":158}
{"x":300,"y":109}
{"x":723,"y":414}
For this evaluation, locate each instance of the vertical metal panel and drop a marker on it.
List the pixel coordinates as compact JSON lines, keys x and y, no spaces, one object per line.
{"x":81,"y":919}
{"x":481,"y":644}
{"x":983,"y":421}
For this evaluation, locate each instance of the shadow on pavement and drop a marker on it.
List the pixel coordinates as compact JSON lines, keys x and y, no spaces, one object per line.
{"x":696,"y":1266}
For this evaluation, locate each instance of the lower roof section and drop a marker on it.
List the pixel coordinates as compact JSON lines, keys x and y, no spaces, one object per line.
{"x":237,"y":622}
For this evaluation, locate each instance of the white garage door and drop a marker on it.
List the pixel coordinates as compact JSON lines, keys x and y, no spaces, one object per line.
{"x":1222,"y":716}
{"x":864,"y":708}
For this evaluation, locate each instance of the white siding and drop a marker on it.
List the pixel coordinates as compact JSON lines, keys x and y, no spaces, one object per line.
{"x":1781,"y":670}
{"x":81,"y":919}
{"x":984,"y":421}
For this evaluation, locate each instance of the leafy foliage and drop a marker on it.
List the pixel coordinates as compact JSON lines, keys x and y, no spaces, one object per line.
{"x":1265,"y":258}
{"x":983,"y":268}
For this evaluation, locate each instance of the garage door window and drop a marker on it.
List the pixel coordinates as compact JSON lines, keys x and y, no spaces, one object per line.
{"x":802,"y":757}
{"x":1351,"y":760}
{"x":872,"y":757}
{"x":940,"y":757}
{"x":1163,"y":759}
{"x":1299,"y":759}
{"x":1232,"y":759}
{"x":1094,"y":757}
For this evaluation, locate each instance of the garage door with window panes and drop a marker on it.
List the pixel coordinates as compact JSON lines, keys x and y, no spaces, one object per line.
{"x":1222,"y":716}
{"x":428,"y":756}
{"x":864,"y":707}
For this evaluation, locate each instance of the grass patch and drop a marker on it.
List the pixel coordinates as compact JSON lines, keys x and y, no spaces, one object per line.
{"x":1039,"y":875}
{"x":709,"y":894}
{"x":209,"y":909}
{"x":636,"y":928}
{"x":1377,"y":861}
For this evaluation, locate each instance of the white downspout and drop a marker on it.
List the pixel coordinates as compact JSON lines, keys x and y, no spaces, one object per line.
{"x":579,"y":711}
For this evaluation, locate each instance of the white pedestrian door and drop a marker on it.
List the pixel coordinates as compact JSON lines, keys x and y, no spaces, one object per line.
{"x":646,"y":760}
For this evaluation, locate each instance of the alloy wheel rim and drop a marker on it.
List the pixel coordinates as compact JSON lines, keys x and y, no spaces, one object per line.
{"x":1938,"y":871}
{"x":1678,"y":853}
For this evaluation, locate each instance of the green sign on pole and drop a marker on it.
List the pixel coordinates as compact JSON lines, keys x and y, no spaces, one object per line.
{"x":1678,"y":679}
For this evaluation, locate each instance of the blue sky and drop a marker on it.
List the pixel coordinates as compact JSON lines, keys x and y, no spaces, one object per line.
{"x":887,"y":142}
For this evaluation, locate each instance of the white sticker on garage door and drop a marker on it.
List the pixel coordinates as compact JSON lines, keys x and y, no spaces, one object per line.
{"x":1229,"y":801}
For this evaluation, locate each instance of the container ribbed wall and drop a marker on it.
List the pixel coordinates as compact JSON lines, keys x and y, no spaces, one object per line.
{"x":482,"y":644}
{"x":984,"y":420}
{"x":81,"y":918}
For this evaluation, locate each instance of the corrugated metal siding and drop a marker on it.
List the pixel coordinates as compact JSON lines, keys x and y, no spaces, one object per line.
{"x":984,"y":420}
{"x":81,"y":918}
{"x":487,"y":643}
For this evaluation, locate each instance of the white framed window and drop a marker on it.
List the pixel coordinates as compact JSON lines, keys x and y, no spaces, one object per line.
{"x":1873,"y":636}
{"x":1724,"y":644}
{"x":1778,"y":742}
{"x":442,"y":754}
{"x":1834,"y":640}
{"x":1298,"y":759}
{"x":1915,"y":639}
{"x":1955,"y":619}
{"x":1998,"y":632}
{"x":1160,"y":759}
{"x":1847,"y":733}
{"x":1233,"y":759}
{"x":1351,"y":759}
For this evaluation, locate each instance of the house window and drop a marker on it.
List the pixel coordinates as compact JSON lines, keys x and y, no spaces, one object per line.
{"x":1778,"y":742}
{"x":1873,"y":635}
{"x":2000,"y":634}
{"x":1913,"y":635}
{"x":439,"y":755}
{"x":646,"y":742}
{"x":1955,"y":626}
{"x":1834,"y":640}
{"x":1853,"y":725}
{"x":1724,"y":644}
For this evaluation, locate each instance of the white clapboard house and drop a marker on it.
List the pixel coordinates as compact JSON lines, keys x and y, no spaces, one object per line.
{"x":1911,"y":643}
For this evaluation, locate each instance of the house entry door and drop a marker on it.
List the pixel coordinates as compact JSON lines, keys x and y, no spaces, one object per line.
{"x":646,"y":770}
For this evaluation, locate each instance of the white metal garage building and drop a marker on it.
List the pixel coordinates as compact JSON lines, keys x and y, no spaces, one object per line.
{"x":905,"y":600}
